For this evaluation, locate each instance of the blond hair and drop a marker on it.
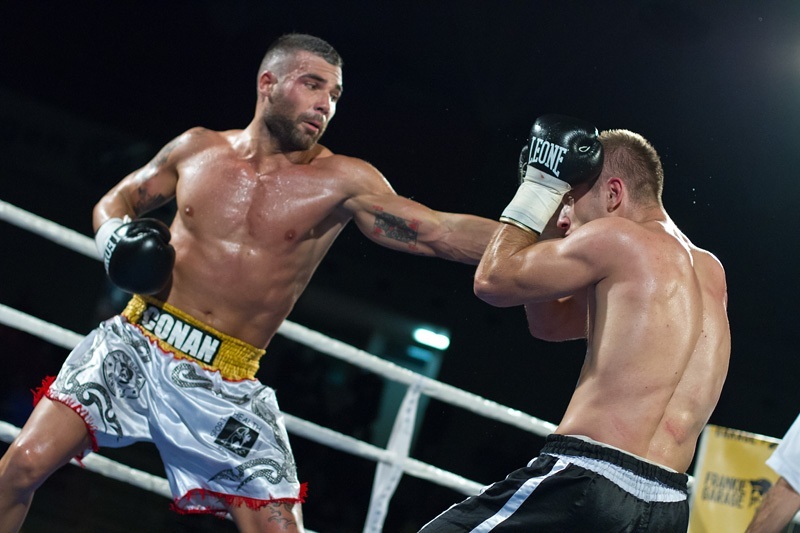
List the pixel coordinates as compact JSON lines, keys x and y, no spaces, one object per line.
{"x":631,"y":157}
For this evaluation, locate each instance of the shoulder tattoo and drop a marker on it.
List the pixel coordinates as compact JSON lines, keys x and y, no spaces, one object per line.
{"x":145,"y":199}
{"x":163,"y":154}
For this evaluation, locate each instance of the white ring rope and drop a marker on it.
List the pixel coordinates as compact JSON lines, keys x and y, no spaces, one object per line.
{"x":431,"y":387}
{"x":41,"y":226}
{"x":68,"y":339}
{"x":397,"y":458}
{"x":103,"y":465}
{"x":435,"y":389}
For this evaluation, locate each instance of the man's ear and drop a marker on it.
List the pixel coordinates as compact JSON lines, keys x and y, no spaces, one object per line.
{"x":614,"y":192}
{"x":266,"y":81}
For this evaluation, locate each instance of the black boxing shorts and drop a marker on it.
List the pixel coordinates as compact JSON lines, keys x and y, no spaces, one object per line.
{"x":575,"y":485}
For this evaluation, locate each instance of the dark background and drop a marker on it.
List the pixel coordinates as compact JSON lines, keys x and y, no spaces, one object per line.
{"x":439,"y":96}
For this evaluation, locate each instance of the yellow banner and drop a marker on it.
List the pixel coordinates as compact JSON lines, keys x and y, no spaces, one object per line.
{"x":730,"y":479}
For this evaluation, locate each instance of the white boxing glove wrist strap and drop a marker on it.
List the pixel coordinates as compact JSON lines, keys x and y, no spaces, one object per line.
{"x":104,"y":233}
{"x":535,"y":202}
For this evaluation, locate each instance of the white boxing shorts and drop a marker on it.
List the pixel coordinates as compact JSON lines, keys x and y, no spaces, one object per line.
{"x":219,"y":430}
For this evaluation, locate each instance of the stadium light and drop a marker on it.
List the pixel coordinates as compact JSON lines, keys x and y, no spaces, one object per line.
{"x":440,"y":341}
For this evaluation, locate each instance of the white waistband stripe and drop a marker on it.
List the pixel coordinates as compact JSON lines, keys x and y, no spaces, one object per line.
{"x":645,"y":489}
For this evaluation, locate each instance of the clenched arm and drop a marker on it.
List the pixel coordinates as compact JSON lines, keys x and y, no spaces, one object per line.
{"x":147,"y":188}
{"x":550,"y":278}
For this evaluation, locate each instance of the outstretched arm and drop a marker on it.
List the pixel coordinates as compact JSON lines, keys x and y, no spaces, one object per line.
{"x":402,"y":224}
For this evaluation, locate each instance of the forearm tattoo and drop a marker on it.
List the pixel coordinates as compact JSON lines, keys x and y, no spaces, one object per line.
{"x":396,"y":228}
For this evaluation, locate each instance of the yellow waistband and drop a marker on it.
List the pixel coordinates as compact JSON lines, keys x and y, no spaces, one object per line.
{"x":187,"y":337}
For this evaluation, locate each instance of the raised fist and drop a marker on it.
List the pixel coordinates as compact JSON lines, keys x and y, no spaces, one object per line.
{"x":561,"y":152}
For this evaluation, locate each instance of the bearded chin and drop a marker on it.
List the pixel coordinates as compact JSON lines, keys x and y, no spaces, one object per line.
{"x":289,"y":138}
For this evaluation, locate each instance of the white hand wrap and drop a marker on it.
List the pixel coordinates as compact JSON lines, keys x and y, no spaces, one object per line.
{"x":104,"y":233}
{"x":538,"y":197}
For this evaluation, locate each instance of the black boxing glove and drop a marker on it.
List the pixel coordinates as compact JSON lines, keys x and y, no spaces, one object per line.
{"x":561,"y":152}
{"x":137,"y":254}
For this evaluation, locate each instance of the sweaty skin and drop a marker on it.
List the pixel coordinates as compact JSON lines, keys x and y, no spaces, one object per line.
{"x":253,"y":222}
{"x":651,"y":305}
{"x":257,"y":209}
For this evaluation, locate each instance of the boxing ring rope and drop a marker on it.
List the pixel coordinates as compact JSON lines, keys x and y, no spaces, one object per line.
{"x":392,"y":461}
{"x":103,"y":465}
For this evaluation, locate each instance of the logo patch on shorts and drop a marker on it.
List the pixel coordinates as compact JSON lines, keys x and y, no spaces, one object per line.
{"x":237,"y":437}
{"x":123,"y":376}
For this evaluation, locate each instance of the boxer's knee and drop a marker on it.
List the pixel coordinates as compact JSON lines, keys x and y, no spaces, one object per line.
{"x":22,"y":468}
{"x":53,"y":435}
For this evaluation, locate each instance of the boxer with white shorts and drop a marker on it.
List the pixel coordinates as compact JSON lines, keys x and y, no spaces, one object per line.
{"x":257,"y":210}
{"x":218,"y":430}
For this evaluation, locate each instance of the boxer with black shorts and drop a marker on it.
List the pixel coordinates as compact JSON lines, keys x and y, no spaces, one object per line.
{"x":588,"y":248}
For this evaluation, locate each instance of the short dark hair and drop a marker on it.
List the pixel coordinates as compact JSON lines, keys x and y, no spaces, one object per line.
{"x":634,"y":159}
{"x":297,"y":42}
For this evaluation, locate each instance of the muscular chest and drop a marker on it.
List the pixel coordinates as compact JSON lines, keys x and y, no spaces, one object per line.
{"x":234,"y":200}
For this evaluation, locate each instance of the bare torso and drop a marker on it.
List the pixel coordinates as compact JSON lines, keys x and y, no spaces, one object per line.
{"x":250,"y":231}
{"x":253,"y":222}
{"x":658,"y":347}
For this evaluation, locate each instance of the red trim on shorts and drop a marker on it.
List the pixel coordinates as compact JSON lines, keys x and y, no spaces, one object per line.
{"x":43,"y":391}
{"x":40,"y":391}
{"x":230,"y":501}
